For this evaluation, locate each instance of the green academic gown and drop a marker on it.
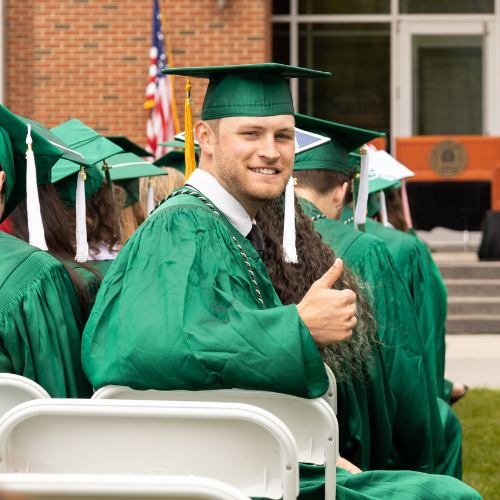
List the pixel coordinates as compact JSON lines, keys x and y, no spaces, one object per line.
{"x":419,"y":437}
{"x":101,"y":265}
{"x":429,"y":294}
{"x":40,"y":320}
{"x":178,"y":310}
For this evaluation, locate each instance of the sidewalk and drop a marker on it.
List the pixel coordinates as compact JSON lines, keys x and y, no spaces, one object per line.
{"x":473,"y":360}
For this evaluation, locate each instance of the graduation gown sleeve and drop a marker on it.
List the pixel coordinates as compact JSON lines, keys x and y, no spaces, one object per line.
{"x":40,"y":321}
{"x":178,"y":310}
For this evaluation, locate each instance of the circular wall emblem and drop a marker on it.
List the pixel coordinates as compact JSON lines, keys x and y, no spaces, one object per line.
{"x":448,"y":158}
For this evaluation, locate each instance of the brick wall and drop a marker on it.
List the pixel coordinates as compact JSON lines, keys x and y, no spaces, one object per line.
{"x":89,"y":59}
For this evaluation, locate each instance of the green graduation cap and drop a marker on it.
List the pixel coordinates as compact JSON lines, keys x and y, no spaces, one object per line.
{"x":126,"y":169}
{"x":128,"y":146}
{"x":178,"y":145}
{"x":247,"y":89}
{"x":79,"y":137}
{"x":333,"y":155}
{"x":14,"y":135}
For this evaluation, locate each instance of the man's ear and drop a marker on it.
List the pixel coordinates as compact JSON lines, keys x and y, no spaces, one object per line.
{"x":2,"y":181}
{"x":339,"y":194}
{"x":205,"y":137}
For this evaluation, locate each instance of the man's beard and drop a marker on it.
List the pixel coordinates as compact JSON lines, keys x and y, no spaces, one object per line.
{"x":235,"y":184}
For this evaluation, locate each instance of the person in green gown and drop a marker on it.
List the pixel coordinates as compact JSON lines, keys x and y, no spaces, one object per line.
{"x":40,"y":319}
{"x":418,"y":439}
{"x":188,"y":303}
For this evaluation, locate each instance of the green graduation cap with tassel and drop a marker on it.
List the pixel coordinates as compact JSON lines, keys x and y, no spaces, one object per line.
{"x":246,"y":90}
{"x":17,"y":140}
{"x":126,"y":169}
{"x":75,"y":185}
{"x":335,"y":154}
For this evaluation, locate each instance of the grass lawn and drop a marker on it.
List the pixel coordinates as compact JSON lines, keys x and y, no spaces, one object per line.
{"x":479,"y":413}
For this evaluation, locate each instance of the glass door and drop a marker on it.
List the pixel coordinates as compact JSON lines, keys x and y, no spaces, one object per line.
{"x":446,"y":75}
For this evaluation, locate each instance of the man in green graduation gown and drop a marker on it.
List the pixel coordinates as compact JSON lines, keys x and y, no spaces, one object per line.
{"x":188,"y":303}
{"x":420,"y":438}
{"x":40,"y":320}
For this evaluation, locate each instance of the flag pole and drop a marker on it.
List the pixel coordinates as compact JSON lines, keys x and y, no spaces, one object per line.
{"x":166,"y":41}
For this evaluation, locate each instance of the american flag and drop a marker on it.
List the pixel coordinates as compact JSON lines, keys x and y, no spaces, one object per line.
{"x":159,"y":92}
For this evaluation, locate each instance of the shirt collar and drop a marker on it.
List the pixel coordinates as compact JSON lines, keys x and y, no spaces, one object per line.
{"x":208,"y":185}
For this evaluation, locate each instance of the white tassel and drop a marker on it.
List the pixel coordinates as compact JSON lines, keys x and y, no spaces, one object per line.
{"x":35,"y":225}
{"x":383,"y":209}
{"x":362,"y":201}
{"x":150,"y":205}
{"x":82,"y":246}
{"x":289,"y":248}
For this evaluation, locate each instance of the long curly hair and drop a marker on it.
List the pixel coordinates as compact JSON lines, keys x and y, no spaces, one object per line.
{"x":292,"y":281}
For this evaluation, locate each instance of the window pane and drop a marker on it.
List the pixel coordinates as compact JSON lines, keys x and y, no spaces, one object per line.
{"x":281,"y":43}
{"x":447,"y":84}
{"x":281,"y":6}
{"x":358,"y":56}
{"x":446,"y":6}
{"x":344,"y":6}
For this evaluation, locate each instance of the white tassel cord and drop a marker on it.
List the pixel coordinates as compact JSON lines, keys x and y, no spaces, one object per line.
{"x":35,"y":225}
{"x":289,"y":249}
{"x":82,"y":246}
{"x":362,"y":201}
{"x":383,"y":210}
{"x":150,"y":205}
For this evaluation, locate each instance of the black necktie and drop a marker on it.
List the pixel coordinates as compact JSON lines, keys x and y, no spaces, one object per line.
{"x":256,"y":239}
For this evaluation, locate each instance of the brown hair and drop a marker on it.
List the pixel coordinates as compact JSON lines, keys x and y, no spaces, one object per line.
{"x":103,"y":218}
{"x":164,"y":185}
{"x":395,"y":212}
{"x":292,"y":281}
{"x":131,"y":218}
{"x":319,"y":180}
{"x":59,"y":228}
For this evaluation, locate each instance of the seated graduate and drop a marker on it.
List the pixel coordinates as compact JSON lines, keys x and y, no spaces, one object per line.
{"x":401,"y":220}
{"x":188,"y":303}
{"x":428,"y":292}
{"x":40,"y":318}
{"x":365,"y":403}
{"x":419,"y":440}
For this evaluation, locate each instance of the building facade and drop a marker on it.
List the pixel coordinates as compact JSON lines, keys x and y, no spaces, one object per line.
{"x":409,"y":68}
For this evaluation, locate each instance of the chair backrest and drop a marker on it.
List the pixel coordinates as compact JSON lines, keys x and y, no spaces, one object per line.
{"x":116,"y":487}
{"x":312,"y":421}
{"x":15,"y":390}
{"x":241,"y":445}
{"x":331,"y":394}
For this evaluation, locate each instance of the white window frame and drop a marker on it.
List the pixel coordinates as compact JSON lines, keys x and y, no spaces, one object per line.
{"x":401,"y":26}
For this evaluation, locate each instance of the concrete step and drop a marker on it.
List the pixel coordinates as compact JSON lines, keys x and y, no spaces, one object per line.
{"x":474,"y":305}
{"x":473,"y":287}
{"x":473,"y":323}
{"x":470,"y":270}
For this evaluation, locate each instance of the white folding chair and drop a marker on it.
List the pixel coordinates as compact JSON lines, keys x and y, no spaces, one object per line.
{"x":311,"y":421}
{"x":115,"y":487}
{"x":238,"y":444}
{"x":15,"y":390}
{"x":331,"y":394}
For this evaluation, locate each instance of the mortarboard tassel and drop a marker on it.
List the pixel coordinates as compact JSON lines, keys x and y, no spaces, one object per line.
{"x":406,"y":206}
{"x":82,"y":246}
{"x":188,"y":127}
{"x":289,"y":248}
{"x":383,"y":210}
{"x":150,"y":204}
{"x":362,"y":198}
{"x":35,"y":225}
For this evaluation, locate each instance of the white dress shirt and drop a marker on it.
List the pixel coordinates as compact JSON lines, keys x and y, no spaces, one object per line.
{"x":209,"y":186}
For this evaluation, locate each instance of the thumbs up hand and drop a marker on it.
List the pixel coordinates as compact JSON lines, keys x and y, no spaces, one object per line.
{"x":329,"y":314}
